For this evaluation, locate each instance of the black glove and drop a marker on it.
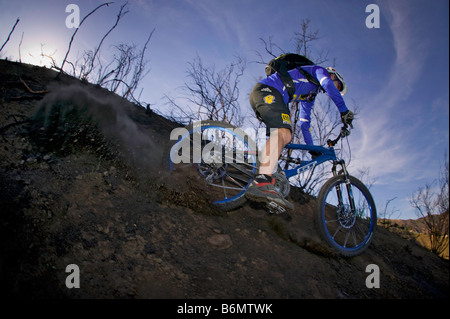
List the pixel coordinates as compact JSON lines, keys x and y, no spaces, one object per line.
{"x":347,"y":118}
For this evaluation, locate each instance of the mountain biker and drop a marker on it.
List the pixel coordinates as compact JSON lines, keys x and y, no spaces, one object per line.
{"x":269,"y":100}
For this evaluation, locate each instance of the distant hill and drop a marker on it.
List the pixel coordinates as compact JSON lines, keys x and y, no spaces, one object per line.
{"x":82,"y":182}
{"x":411,"y":225}
{"x":413,"y":229}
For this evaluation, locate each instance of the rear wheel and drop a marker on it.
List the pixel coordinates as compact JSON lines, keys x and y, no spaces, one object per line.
{"x":223,"y":156}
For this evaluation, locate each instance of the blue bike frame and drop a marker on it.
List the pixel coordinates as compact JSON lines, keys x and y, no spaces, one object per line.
{"x":327,"y":154}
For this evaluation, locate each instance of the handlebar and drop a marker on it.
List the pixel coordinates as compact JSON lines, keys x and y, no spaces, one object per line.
{"x":344,"y":133}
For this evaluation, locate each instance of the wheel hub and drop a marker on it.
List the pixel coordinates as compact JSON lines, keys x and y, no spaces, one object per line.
{"x":345,"y":216}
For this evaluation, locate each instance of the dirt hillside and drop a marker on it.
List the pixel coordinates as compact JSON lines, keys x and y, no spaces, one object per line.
{"x":81,"y":183}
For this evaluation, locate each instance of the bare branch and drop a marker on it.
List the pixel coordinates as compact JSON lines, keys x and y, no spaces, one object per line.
{"x":139,"y":70}
{"x":213,"y":93}
{"x":30,"y":90}
{"x":120,"y":15}
{"x":270,"y":47}
{"x":20,"y":44}
{"x":76,"y":30}
{"x":432,"y":209}
{"x":49,"y":56}
{"x":9,"y":35}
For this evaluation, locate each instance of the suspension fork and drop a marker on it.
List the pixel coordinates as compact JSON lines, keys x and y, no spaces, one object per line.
{"x":348,"y":185}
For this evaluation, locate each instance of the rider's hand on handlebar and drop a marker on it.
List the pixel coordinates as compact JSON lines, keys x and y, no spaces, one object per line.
{"x":347,"y":118}
{"x":344,"y":132}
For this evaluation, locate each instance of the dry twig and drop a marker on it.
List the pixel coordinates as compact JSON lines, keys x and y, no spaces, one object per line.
{"x":30,"y":90}
{"x":12,"y":30}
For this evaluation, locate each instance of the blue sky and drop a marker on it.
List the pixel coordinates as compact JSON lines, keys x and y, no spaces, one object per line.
{"x":398,"y":74}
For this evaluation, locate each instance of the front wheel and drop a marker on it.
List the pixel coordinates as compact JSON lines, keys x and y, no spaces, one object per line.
{"x":346,"y":215}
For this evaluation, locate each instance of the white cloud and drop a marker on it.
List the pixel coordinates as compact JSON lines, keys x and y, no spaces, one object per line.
{"x":385,"y":143}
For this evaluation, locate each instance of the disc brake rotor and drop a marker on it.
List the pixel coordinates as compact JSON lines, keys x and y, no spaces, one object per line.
{"x":345,"y":216}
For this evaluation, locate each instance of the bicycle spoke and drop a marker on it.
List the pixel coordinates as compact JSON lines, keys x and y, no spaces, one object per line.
{"x":352,"y":235}
{"x":361,"y":227}
{"x":243,"y":169}
{"x":347,"y":234}
{"x":224,"y":189}
{"x":233,"y":178}
{"x":336,"y":232}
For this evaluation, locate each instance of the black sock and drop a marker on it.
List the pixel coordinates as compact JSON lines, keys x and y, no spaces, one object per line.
{"x":263,"y":178}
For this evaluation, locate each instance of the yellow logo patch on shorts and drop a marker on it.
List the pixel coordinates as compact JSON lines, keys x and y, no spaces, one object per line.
{"x":269,"y":99}
{"x":286,"y":118}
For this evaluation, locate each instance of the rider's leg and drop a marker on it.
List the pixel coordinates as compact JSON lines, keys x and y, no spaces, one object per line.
{"x":270,"y":108}
{"x":278,"y":139}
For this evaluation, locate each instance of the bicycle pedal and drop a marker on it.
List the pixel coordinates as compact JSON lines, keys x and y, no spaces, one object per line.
{"x":274,"y":208}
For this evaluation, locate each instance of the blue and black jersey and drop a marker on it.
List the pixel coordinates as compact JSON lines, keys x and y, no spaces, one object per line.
{"x":304,"y":90}
{"x":303,"y":87}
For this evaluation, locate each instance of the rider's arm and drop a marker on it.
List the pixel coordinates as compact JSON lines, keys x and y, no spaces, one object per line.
{"x":327,"y":84}
{"x":305,"y":121}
